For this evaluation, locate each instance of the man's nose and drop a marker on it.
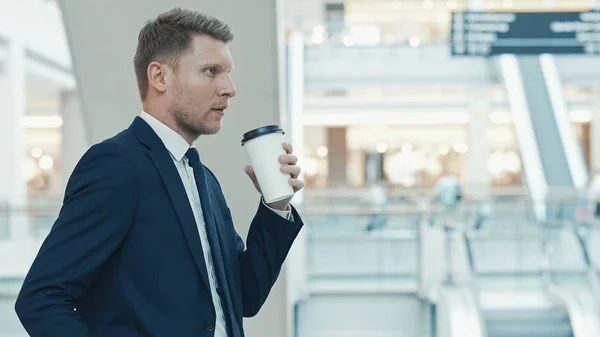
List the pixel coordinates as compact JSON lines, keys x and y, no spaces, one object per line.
{"x":228,"y":88}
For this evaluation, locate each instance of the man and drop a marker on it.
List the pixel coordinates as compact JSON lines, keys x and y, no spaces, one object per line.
{"x":144,"y":244}
{"x":448,"y":190}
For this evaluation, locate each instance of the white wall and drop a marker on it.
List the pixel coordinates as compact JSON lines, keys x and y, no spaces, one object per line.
{"x":39,"y":25}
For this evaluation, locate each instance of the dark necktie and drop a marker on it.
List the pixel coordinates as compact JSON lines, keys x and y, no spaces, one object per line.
{"x":211,"y":231}
{"x":193,"y":156}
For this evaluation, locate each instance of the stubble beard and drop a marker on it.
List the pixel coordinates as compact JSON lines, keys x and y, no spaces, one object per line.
{"x":192,"y":126}
{"x":189,"y":125}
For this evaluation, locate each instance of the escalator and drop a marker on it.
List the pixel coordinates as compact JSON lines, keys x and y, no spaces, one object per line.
{"x":552,"y":150}
{"x":525,"y":311}
{"x":552,"y":157}
{"x":461,"y":313}
{"x":553,"y":322}
{"x":487,"y":308}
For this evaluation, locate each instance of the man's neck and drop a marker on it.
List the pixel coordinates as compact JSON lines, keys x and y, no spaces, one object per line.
{"x":169,"y":121}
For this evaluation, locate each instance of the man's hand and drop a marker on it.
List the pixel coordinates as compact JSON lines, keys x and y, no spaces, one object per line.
{"x":288,"y":165}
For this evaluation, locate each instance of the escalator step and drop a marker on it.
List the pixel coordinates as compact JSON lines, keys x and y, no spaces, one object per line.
{"x":531,"y":323}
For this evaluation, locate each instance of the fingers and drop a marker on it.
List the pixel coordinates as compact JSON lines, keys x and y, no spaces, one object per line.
{"x":288,"y":148}
{"x":288,"y":159}
{"x":250,"y":172}
{"x":293,"y":170}
{"x":288,"y":162}
{"x":297,"y":184}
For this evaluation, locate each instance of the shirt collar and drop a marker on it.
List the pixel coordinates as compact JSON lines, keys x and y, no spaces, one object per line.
{"x":175,"y":144}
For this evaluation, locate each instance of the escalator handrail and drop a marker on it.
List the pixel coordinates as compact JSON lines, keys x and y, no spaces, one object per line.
{"x":584,"y":249}
{"x":505,"y":236}
{"x":582,"y":320}
{"x":591,"y":268}
{"x":469,"y":254}
{"x":473,"y":280}
{"x":475,"y":314}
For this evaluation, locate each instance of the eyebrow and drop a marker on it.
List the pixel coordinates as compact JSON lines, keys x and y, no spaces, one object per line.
{"x":216,"y":65}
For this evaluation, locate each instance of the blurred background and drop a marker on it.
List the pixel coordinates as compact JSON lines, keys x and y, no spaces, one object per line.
{"x":451,"y":158}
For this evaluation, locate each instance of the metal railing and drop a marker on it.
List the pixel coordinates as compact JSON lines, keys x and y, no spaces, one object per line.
{"x":582,"y":230}
{"x":28,"y":222}
{"x":362,"y":248}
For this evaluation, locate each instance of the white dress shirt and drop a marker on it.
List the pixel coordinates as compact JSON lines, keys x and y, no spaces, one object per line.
{"x":177,"y":147}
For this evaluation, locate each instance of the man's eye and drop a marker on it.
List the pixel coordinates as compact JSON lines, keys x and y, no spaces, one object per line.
{"x":211,"y":71}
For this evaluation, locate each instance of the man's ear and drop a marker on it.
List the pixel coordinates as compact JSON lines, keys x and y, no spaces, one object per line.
{"x":157,"y":74}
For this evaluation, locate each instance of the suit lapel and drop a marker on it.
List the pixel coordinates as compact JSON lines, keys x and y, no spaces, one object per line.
{"x":182,"y":206}
{"x":214,"y":233}
{"x":220,"y":248}
{"x":168,"y":172}
{"x":216,"y":221}
{"x":231,"y":287}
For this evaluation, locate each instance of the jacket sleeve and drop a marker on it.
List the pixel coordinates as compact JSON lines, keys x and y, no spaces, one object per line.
{"x":269,"y":240}
{"x":98,"y":210}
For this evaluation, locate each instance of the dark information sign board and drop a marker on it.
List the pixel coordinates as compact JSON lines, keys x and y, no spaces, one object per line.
{"x":494,"y":33}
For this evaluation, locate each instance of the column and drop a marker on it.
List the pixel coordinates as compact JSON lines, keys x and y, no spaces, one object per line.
{"x":110,"y":100}
{"x":337,"y":156}
{"x":13,"y":188}
{"x":296,"y":274}
{"x":295,"y":95}
{"x":595,"y":123}
{"x":478,"y":175}
{"x":477,"y":171}
{"x":74,"y":138}
{"x":595,"y":132}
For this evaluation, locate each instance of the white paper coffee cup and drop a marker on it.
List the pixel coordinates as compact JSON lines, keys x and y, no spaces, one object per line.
{"x":263,"y":146}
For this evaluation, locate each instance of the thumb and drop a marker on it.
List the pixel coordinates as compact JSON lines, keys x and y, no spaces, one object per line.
{"x":250,"y":172}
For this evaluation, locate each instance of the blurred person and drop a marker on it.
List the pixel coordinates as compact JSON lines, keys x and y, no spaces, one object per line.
{"x":448,"y":191}
{"x":377,"y":197}
{"x":594,"y":194}
{"x":483,"y":212}
{"x":144,"y":244}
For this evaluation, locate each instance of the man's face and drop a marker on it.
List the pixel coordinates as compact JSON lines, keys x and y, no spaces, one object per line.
{"x":202,"y":86}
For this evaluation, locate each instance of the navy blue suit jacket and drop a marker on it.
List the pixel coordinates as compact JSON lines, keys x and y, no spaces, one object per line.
{"x":124,"y":258}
